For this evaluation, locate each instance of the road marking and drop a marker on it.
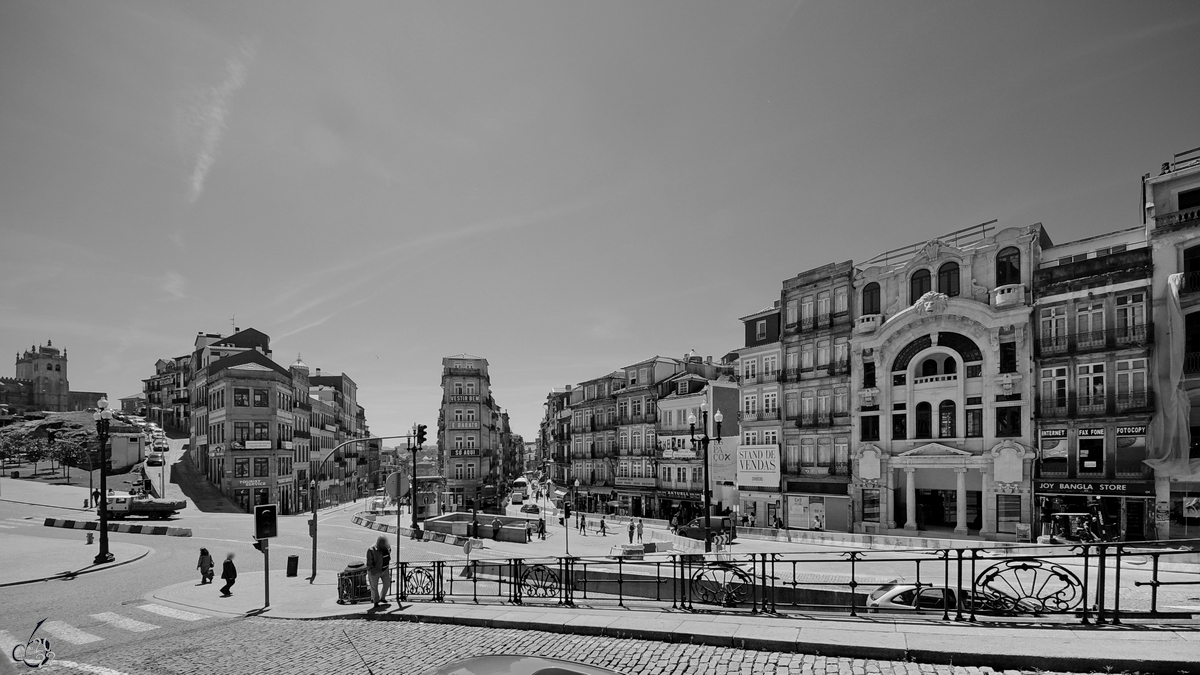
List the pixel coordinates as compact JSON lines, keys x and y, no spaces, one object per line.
{"x":7,"y":642}
{"x":124,"y":623}
{"x":172,"y":612}
{"x":1192,"y":608}
{"x":87,"y":668}
{"x":65,"y":631}
{"x":8,"y":527}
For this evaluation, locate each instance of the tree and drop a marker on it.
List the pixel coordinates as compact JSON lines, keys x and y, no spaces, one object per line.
{"x":35,"y":451}
{"x":69,"y":452}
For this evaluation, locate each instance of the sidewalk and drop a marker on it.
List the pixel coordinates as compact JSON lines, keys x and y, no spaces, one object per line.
{"x":23,"y":558}
{"x":69,"y":497}
{"x":1051,"y":644}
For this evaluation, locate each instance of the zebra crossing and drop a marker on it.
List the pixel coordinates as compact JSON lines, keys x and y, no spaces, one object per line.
{"x":15,"y":523}
{"x":100,"y":627}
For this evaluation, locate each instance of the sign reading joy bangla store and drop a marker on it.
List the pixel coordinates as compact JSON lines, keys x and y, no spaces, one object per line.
{"x":758,"y":466}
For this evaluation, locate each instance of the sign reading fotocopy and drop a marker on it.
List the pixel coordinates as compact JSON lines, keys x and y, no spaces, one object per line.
{"x":758,"y":466}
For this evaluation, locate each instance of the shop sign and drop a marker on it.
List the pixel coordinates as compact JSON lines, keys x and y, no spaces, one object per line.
{"x":1091,"y":432}
{"x":249,"y":482}
{"x":680,"y":494}
{"x":216,"y":450}
{"x":758,"y":466}
{"x":1095,"y":487}
{"x":1053,"y":433}
{"x":1139,"y":430}
{"x":258,"y":445}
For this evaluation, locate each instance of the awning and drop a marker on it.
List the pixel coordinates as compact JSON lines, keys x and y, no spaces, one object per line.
{"x":560,"y":493}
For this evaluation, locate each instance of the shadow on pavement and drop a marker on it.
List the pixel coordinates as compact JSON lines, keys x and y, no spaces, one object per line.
{"x":203,"y":495}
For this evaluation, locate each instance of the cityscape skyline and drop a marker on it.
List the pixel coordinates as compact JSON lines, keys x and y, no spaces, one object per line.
{"x":170,"y":169}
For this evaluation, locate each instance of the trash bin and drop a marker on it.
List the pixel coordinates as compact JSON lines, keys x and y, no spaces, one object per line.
{"x":293,"y":565}
{"x":16,"y":474}
{"x":352,"y":584}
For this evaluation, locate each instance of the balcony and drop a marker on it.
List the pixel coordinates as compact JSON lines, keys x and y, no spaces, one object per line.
{"x":951,"y":377}
{"x":759,"y":416}
{"x":815,"y":471}
{"x":807,"y":323}
{"x":1137,"y":401}
{"x":1178,"y":219}
{"x":806,"y":420}
{"x":823,"y":320}
{"x":791,"y":375}
{"x":840,"y":368}
{"x":469,"y":372}
{"x":1011,"y":295}
{"x":1086,"y":404}
{"x":1121,"y":337}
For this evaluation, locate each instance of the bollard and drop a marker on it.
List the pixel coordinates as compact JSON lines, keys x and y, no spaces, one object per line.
{"x":90,"y":537}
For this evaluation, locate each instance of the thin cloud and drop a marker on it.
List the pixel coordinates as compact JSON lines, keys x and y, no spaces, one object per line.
{"x":173,"y":284}
{"x":210,"y":115}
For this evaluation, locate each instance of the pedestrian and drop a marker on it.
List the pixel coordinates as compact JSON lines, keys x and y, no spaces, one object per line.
{"x":603,"y":528}
{"x":496,"y":525}
{"x":229,"y":574}
{"x":205,"y":565}
{"x":778,"y":523}
{"x":583,"y":524}
{"x":96,"y":498}
{"x":639,"y":530}
{"x":379,"y":567}
{"x":631,"y":529}
{"x":541,"y":528}
{"x":674,"y":525}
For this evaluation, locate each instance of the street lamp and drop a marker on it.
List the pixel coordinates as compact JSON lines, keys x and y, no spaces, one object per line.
{"x":102,"y":417}
{"x":704,"y":441}
{"x":312,"y":501}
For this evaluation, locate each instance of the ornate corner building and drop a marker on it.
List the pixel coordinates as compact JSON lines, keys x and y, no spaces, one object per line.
{"x":942,"y":388}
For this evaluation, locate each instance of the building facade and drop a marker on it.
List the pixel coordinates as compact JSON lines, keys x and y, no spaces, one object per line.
{"x":41,"y":384}
{"x":944,"y":439}
{"x":469,"y":449}
{"x":760,"y":412}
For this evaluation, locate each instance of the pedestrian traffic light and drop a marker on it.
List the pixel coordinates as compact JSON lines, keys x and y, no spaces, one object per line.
{"x":260,"y":544}
{"x":421,"y":434}
{"x":264,"y":521}
{"x":567,"y":509}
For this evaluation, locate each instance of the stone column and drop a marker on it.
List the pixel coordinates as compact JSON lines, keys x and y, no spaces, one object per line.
{"x":986,"y":500}
{"x":960,"y":527}
{"x":910,"y":498}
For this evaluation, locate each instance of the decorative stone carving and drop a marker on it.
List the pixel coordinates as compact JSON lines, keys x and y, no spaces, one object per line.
{"x":931,"y":303}
{"x":1008,"y":488}
{"x":868,"y":395}
{"x":868,"y":462}
{"x":1007,"y":382}
{"x":1008,"y":464}
{"x":977,"y":291}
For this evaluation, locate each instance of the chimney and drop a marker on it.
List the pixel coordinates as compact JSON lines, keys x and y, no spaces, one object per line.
{"x":318,"y":372}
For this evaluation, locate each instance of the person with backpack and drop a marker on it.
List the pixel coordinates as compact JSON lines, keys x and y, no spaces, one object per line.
{"x":379,"y":567}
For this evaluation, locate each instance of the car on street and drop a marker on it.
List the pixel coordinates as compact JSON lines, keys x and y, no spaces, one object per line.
{"x":719,"y":524}
{"x":530,"y":507}
{"x":154,"y":459}
{"x":903,"y":597}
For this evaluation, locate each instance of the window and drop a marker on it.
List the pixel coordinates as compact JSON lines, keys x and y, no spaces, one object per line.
{"x":841,"y":402}
{"x":681,"y":474}
{"x":823,"y":307}
{"x":1054,"y":388}
{"x":792,"y":312}
{"x":771,"y":364}
{"x":806,"y":356}
{"x":683,"y":388}
{"x":791,"y":458}
{"x":1091,"y":452}
{"x":470,"y":414}
{"x":1008,"y":357}
{"x":1131,"y":451}
{"x":949,"y":366}
{"x":241,"y":467}
{"x":750,"y":369}
{"x":807,"y":407}
{"x":793,"y":405}
{"x":241,"y":431}
{"x":1188,"y":199}
{"x":899,"y":426}
{"x":870,"y":298}
{"x":870,"y":501}
{"x":948,"y":279}
{"x":470,"y":442}
{"x":946,"y":419}
{"x":1008,"y":421}
{"x":470,"y":472}
{"x":458,"y":442}
{"x":1131,"y":383}
{"x":920,"y":284}
{"x":770,"y":402}
{"x":262,"y":431}
{"x":823,"y":354}
{"x":770,"y":437}
{"x":262,"y":467}
{"x":868,"y":374}
{"x":808,"y":452}
{"x":1008,"y":266}
{"x":870,"y":427}
{"x":924,"y":420}
{"x":635,"y":407}
{"x":750,"y":437}
{"x":1089,"y":325}
{"x":1091,"y":387}
{"x":841,"y":303}
{"x":823,"y":406}
{"x":806,"y":312}
{"x":929,"y":368}
{"x":458,"y":472}
{"x":470,"y":388}
{"x":974,"y":422}
{"x":824,"y":452}
{"x":760,"y":330}
{"x":261,"y":398}
{"x":793,"y":359}
{"x":1008,"y":513}
{"x":841,"y":456}
{"x":1131,"y":318}
{"x":241,"y":398}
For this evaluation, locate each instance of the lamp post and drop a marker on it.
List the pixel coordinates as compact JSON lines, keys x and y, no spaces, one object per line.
{"x":312,"y":501}
{"x":102,"y":417}
{"x":703,"y":442}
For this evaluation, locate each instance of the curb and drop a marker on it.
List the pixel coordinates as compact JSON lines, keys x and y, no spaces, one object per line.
{"x":119,"y":527}
{"x":68,"y":575}
{"x":426,"y":535}
{"x":964,"y":658}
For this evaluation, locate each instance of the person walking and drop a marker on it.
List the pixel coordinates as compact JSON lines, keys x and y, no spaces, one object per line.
{"x":229,"y":574}
{"x":603,"y":527}
{"x":631,"y":528}
{"x":96,"y":498}
{"x":205,"y":565}
{"x":583,"y":524}
{"x":379,"y":567}
{"x":541,"y":528}
{"x":496,"y":525}
{"x":639,"y":530}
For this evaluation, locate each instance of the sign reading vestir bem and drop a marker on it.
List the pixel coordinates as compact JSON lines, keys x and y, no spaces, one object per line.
{"x":758,"y":466}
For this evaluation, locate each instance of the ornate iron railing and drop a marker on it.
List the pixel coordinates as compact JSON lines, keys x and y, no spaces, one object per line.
{"x":1083,"y":581}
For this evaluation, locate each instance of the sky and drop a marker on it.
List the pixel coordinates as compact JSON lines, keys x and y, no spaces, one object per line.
{"x":563,"y":188}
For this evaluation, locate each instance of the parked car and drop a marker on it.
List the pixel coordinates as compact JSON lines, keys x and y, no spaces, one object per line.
{"x":154,"y":459}
{"x":719,"y":525}
{"x":904,"y":597}
{"x":530,"y":507}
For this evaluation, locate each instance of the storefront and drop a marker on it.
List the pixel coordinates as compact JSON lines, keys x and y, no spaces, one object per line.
{"x":812,"y":505}
{"x":1125,"y":507}
{"x":759,"y":509}
{"x":760,"y":503}
{"x":680,"y":504}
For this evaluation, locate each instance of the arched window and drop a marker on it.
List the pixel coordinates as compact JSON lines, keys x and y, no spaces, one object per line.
{"x":946,"y":419}
{"x":920,"y":284}
{"x":949,"y":366}
{"x":948,"y":279}
{"x":924,"y":420}
{"x":57,"y":368}
{"x":929,"y":368}
{"x":1008,"y":267}
{"x":49,"y":367}
{"x":870,"y":298}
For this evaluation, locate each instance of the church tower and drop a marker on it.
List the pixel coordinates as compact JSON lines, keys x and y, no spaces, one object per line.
{"x":45,"y":367}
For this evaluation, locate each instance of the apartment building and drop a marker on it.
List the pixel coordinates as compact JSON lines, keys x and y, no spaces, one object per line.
{"x":815,"y":338}
{"x":1094,"y":332}
{"x":944,"y":439}
{"x":594,"y":444}
{"x":760,"y":376}
{"x":469,"y":450}
{"x":554,"y":436}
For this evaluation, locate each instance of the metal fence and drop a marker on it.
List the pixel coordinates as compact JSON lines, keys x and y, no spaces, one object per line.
{"x":1096,"y":583}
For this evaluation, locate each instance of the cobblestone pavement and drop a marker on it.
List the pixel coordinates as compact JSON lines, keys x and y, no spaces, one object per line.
{"x":307,"y":647}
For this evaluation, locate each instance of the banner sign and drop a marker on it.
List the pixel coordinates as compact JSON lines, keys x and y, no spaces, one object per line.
{"x":758,"y":466}
{"x":1053,"y":433}
{"x":1095,"y":487}
{"x":1139,"y":430}
{"x":258,"y":445}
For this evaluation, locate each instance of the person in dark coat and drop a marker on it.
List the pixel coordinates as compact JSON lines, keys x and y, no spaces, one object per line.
{"x":631,"y":529}
{"x":541,"y":528}
{"x":205,"y":565}
{"x":496,"y":525}
{"x":229,"y":574}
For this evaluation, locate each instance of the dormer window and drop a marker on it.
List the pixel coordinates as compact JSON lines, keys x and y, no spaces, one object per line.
{"x":1008,"y":267}
{"x":683,"y":388}
{"x":760,"y":330}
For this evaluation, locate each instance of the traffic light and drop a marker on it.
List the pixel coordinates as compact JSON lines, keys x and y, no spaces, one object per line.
{"x":264,"y":521}
{"x":260,"y":544}
{"x":567,"y":509}
{"x":421,"y":434}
